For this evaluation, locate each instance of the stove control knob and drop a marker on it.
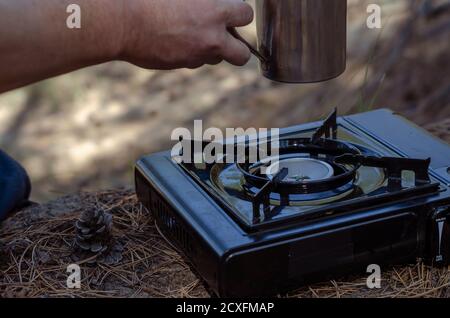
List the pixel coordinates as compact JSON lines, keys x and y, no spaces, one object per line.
{"x":440,"y":237}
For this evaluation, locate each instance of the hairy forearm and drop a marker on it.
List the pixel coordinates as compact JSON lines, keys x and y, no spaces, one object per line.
{"x":35,"y":42}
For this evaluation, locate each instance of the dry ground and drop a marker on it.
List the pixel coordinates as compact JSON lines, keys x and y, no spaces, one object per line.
{"x":36,"y":247}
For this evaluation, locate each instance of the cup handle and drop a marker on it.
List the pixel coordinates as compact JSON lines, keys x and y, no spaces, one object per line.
{"x":254,"y":51}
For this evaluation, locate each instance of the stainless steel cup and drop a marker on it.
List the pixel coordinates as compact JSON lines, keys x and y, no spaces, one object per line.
{"x":301,"y":41}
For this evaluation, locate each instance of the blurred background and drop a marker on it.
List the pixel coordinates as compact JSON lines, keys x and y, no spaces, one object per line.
{"x":85,"y":130}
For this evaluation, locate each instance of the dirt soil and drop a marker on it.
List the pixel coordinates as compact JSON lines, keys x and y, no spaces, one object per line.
{"x":36,"y":248}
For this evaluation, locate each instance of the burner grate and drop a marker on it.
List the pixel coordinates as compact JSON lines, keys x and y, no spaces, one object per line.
{"x":347,"y":173}
{"x":339,"y":154}
{"x":325,"y":150}
{"x":328,"y":129}
{"x":394,"y":168}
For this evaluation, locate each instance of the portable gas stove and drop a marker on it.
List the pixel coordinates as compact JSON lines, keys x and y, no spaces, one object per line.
{"x":365,"y":189}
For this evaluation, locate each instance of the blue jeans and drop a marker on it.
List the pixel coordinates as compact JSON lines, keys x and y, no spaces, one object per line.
{"x":15,"y":185}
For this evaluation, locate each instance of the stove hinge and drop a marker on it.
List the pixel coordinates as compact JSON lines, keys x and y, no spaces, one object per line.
{"x":439,"y":237}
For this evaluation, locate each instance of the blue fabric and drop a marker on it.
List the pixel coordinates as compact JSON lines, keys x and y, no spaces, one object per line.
{"x":14,"y":185}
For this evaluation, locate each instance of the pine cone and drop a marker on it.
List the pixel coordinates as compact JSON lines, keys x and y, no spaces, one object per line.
{"x":94,"y":238}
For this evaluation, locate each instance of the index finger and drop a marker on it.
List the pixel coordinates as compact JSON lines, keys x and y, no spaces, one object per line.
{"x":238,"y":13}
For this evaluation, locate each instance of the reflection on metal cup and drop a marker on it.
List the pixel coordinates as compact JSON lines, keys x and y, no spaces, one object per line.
{"x":301,"y":41}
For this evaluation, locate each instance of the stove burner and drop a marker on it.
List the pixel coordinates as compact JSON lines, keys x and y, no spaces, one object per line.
{"x":320,"y":166}
{"x":310,"y":168}
{"x":308,"y":172}
{"x":301,"y":170}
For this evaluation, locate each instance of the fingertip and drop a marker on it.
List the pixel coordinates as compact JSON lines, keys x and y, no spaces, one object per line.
{"x":247,"y":13}
{"x":241,"y":54}
{"x":247,"y":55}
{"x":239,"y":14}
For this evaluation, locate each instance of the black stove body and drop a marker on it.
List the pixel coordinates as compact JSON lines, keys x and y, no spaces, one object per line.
{"x":387,"y":201}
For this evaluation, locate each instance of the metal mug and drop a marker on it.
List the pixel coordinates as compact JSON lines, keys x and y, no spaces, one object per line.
{"x":300,"y":41}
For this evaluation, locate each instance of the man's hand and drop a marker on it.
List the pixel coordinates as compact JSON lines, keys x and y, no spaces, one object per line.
{"x":168,"y":34}
{"x":36,"y":44}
